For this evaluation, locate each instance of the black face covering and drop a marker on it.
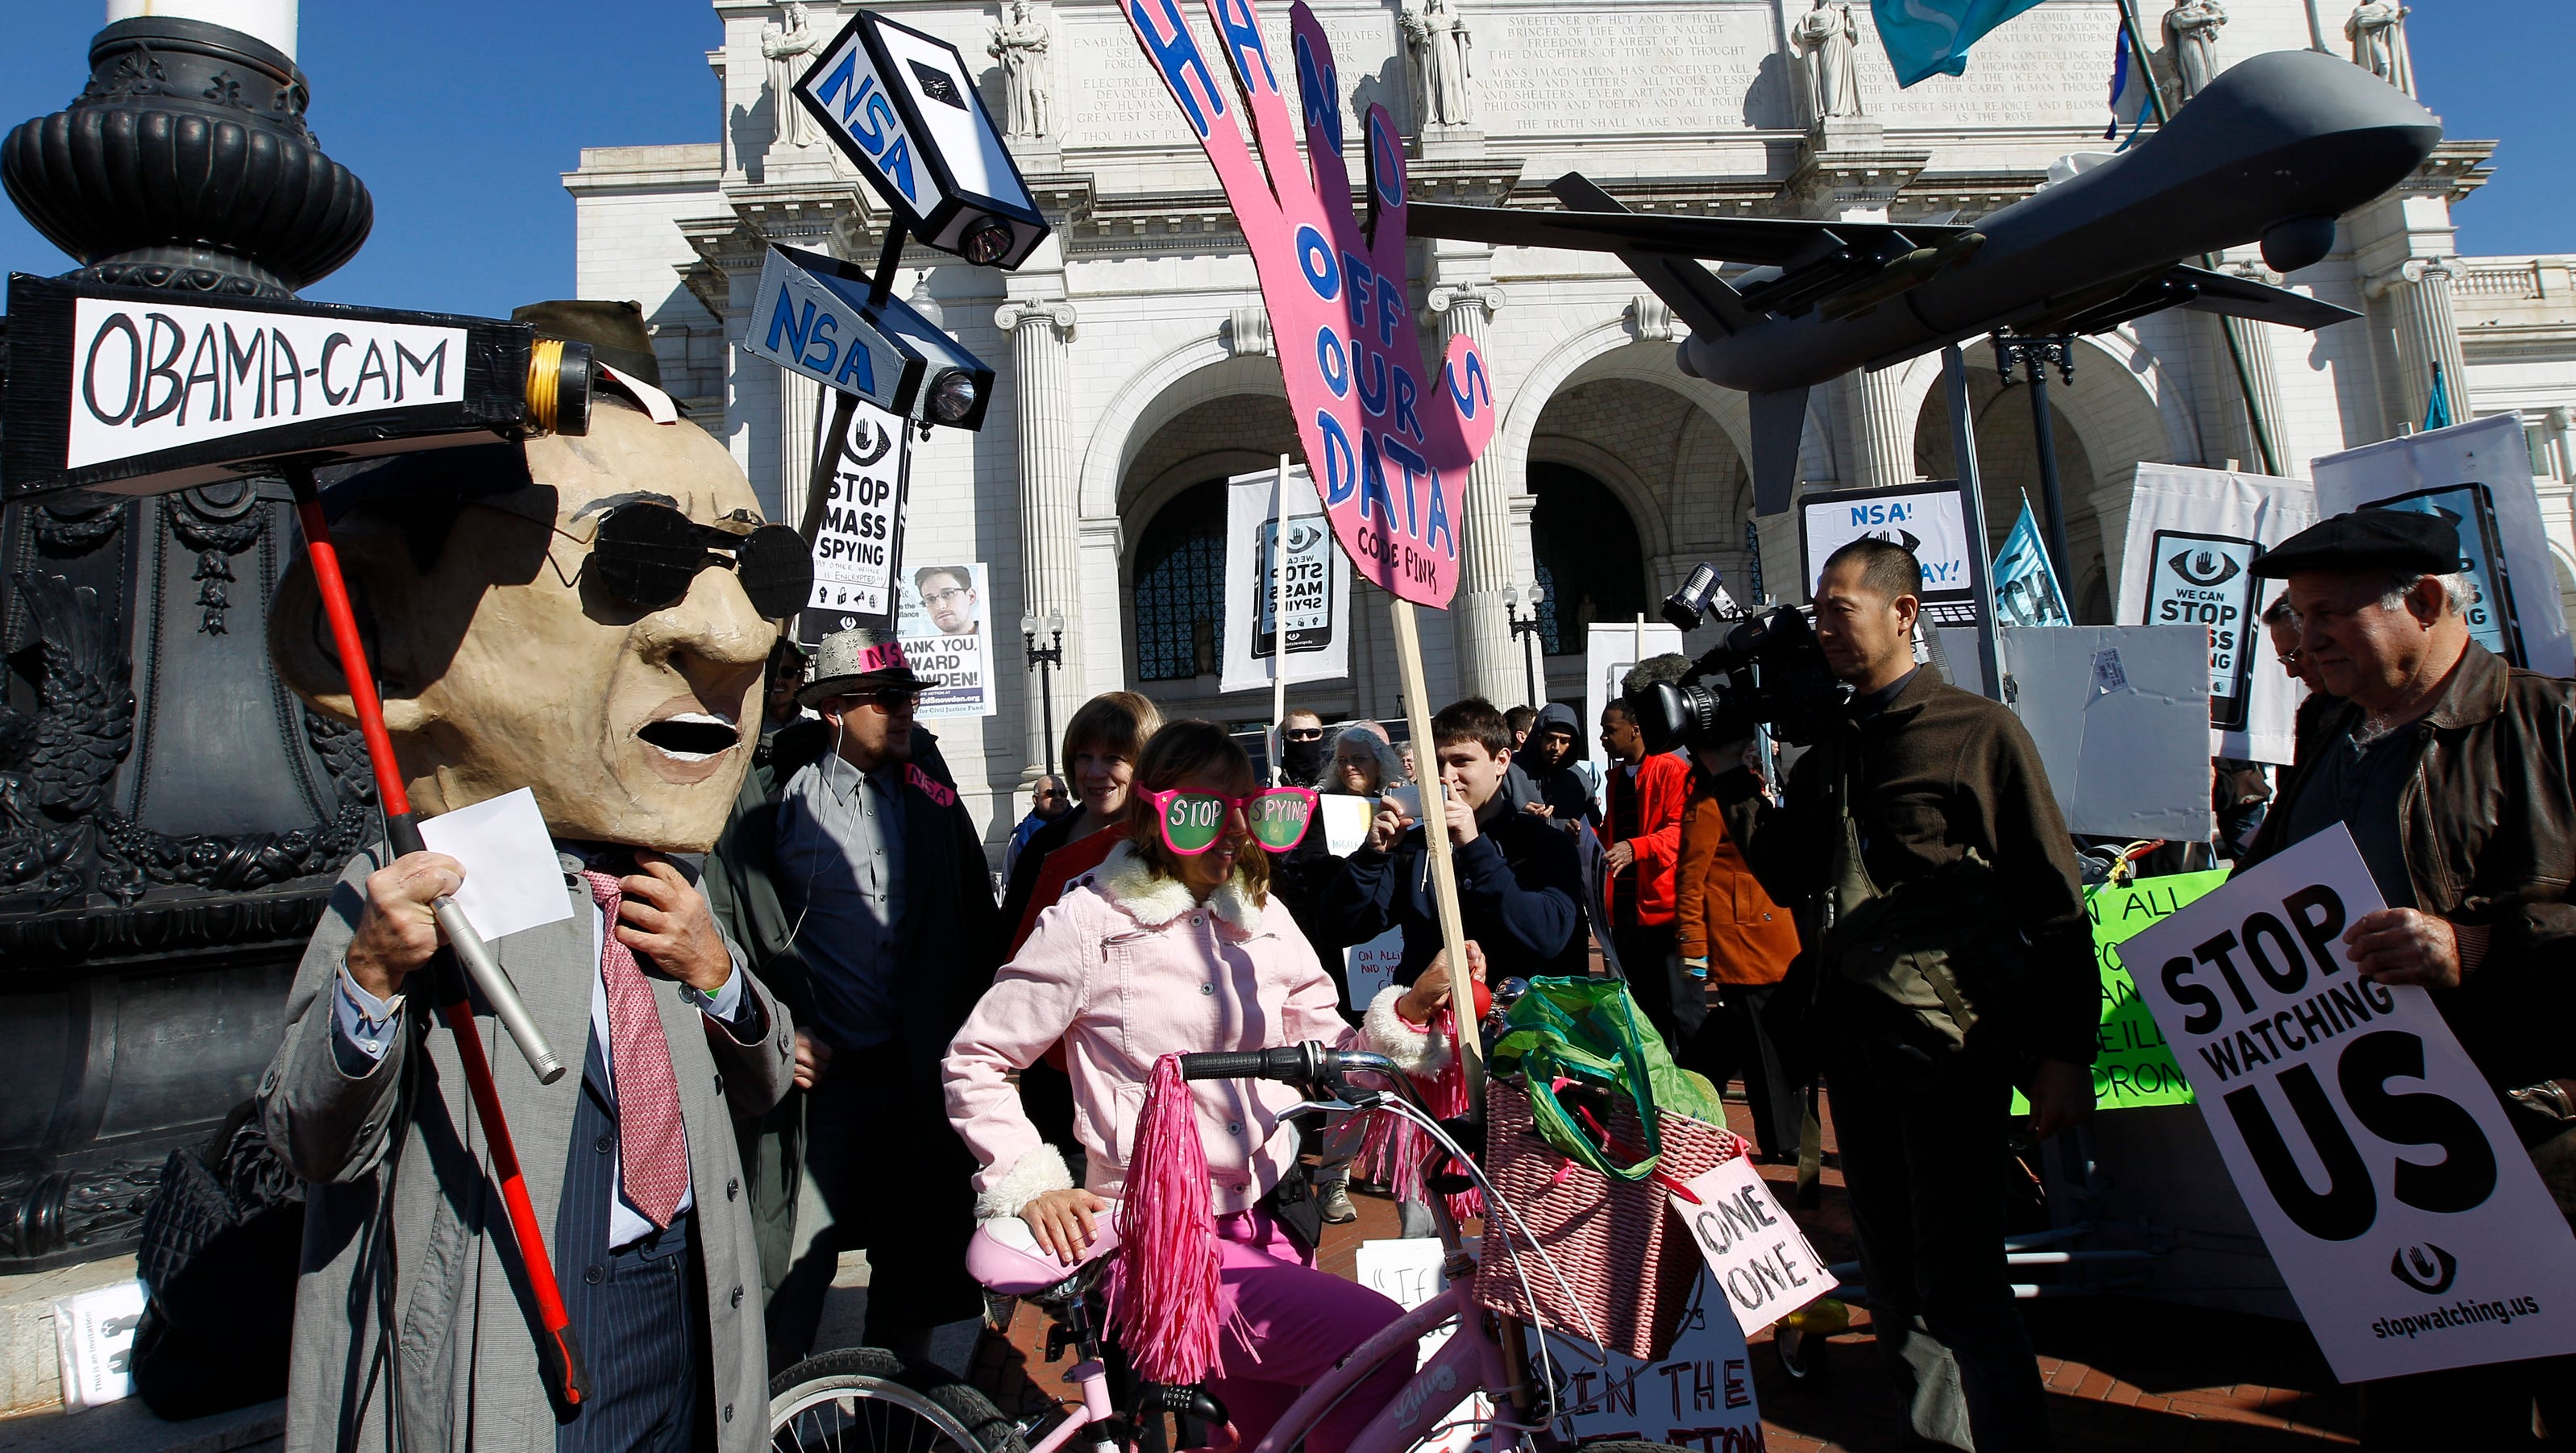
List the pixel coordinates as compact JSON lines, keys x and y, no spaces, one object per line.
{"x":1303,"y":761}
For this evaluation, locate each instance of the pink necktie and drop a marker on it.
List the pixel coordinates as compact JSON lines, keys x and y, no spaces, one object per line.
{"x":652,"y":1146}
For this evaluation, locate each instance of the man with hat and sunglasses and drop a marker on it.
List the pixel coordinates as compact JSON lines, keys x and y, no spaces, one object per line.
{"x":884,"y":936}
{"x":2451,"y":768}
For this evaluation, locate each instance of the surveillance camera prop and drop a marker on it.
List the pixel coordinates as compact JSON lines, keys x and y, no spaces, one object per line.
{"x":821,"y":317}
{"x":132,"y":391}
{"x":903,"y":105}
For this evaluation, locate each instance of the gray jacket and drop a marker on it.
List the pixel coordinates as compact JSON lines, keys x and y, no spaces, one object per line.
{"x":401,"y":1193}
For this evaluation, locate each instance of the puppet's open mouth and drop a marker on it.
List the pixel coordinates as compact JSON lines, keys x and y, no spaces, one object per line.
{"x":690,"y":736}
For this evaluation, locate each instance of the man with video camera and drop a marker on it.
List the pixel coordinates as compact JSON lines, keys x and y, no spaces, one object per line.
{"x":1947,"y":958}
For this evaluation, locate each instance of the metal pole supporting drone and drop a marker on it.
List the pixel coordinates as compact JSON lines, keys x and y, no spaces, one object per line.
{"x":402,"y":834}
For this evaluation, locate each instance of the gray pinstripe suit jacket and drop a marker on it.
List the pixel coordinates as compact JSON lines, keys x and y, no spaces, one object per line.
{"x":405,"y":1232}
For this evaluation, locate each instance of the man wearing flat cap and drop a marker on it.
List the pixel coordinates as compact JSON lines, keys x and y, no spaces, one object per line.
{"x":870,"y":913}
{"x":2452,"y":770}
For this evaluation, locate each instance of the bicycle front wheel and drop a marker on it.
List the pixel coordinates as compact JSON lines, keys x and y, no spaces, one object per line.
{"x":866,"y":1400}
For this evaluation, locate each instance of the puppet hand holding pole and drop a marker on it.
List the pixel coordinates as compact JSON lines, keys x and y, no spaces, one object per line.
{"x":398,"y":929}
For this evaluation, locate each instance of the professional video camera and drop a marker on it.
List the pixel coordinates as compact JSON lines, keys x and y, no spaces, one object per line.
{"x":1769,"y":671}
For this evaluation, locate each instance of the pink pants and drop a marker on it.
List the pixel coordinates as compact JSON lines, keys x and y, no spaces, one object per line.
{"x":1303,"y":1322}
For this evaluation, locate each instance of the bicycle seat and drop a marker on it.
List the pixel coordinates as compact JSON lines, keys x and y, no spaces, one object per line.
{"x":1005,"y":1255}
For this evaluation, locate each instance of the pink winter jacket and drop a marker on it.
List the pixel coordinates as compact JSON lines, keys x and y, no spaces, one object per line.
{"x":1128,"y":967}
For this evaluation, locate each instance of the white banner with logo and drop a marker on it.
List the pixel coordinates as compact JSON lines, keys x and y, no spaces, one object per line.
{"x":1318,"y":586}
{"x":2479,"y":476}
{"x":857,"y":535}
{"x":2391,"y":1191}
{"x":2193,"y":538}
{"x":947,"y":634}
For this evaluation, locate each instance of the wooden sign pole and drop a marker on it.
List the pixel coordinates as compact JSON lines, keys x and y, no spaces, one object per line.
{"x":1435,"y":837}
{"x":1279,"y":623}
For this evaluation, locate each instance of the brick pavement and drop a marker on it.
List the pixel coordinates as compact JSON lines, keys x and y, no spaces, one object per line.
{"x":2123,"y":1373}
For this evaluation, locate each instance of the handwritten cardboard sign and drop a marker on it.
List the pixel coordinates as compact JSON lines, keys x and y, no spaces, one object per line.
{"x":1389,"y":444}
{"x":1754,"y":1251}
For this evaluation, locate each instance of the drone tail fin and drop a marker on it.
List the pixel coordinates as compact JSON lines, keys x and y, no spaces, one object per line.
{"x":1779,"y":424}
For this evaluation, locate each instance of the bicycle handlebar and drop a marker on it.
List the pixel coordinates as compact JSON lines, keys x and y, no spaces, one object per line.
{"x":1311,"y":1065}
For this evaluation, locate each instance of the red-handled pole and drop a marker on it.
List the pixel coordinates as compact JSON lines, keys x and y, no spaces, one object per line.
{"x":402,"y":832}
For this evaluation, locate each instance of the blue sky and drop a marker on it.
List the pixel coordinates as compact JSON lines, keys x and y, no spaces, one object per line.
{"x":461,"y":116}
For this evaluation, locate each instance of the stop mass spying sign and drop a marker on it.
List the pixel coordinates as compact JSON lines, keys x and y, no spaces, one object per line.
{"x":135,"y":392}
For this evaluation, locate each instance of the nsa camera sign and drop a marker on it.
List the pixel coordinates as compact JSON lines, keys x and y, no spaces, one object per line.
{"x":1931,"y":520}
{"x":813,"y":315}
{"x":903,"y":105}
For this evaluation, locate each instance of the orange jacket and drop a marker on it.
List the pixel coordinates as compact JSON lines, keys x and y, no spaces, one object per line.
{"x":1645,"y":812}
{"x":1724,"y":916}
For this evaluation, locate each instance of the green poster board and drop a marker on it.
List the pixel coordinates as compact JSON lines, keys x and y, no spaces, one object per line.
{"x":2135,"y":1067}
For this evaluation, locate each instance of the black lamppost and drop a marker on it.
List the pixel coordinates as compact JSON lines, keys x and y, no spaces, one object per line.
{"x":2038,"y":354}
{"x":157,"y":887}
{"x":1043,"y":660}
{"x":1525,"y":627}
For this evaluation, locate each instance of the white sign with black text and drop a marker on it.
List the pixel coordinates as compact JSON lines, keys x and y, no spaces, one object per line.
{"x":1318,"y":586}
{"x":2194,"y":535}
{"x":150,"y":377}
{"x":1368,"y":968}
{"x":2393,"y":1194}
{"x":1755,"y":1252}
{"x":857,"y":535}
{"x":947,"y":635}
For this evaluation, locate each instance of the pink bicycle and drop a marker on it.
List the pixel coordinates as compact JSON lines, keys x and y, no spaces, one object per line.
{"x":865,"y":1399}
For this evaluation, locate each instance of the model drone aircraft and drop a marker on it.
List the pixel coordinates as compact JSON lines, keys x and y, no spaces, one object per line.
{"x":2273,"y":150}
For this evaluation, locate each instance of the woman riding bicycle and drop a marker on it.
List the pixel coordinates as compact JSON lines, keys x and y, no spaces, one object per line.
{"x":1173,"y":945}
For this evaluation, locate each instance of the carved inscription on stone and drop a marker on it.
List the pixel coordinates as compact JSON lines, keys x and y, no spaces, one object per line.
{"x":2048,"y":66}
{"x":1601,"y":67}
{"x":1120,"y":100}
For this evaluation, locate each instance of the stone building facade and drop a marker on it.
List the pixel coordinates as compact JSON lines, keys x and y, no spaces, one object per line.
{"x":1135,"y":363}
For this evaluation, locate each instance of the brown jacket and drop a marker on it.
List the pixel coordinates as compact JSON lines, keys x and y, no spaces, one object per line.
{"x":1723,"y":915}
{"x":2489,"y":829}
{"x":1944,"y":773}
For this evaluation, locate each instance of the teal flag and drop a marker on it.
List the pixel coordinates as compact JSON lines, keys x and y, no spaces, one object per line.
{"x":2437,"y":410}
{"x":2026,"y":592}
{"x":1928,"y":37}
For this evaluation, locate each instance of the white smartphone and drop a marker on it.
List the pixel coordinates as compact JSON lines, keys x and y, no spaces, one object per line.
{"x":1408,"y":797}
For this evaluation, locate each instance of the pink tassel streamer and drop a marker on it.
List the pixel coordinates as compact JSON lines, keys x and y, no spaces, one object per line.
{"x":1393,"y":1150}
{"x":1168,"y":1304}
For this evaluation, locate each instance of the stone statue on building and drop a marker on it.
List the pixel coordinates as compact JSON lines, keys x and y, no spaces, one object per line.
{"x":1022,"y":42}
{"x":1827,"y":37}
{"x":2377,"y":31}
{"x":786,"y":48}
{"x":1441,"y":42}
{"x":2191,"y":39}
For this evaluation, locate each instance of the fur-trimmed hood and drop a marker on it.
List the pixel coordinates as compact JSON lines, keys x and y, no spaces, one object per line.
{"x":1134,"y":888}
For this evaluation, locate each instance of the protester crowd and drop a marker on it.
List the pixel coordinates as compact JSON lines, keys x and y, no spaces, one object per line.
{"x":962,"y":1055}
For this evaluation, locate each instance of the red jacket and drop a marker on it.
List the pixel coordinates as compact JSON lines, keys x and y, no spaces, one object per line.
{"x":1645,"y":812}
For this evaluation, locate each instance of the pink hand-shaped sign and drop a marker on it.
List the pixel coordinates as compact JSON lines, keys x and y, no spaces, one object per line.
{"x":1387,"y":445}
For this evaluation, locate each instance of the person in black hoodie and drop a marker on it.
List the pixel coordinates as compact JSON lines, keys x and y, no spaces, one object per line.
{"x":1520,"y":886}
{"x":1555,"y":744}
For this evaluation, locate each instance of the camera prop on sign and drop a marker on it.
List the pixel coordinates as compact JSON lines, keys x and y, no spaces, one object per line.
{"x":1389,"y":444}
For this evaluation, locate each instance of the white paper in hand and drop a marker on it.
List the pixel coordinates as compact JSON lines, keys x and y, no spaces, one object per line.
{"x":1346,"y":822}
{"x":512,"y":880}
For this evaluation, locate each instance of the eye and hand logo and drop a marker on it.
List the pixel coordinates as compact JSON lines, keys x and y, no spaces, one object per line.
{"x":2205,"y":567}
{"x":2427,"y":1268}
{"x":1388,"y":443}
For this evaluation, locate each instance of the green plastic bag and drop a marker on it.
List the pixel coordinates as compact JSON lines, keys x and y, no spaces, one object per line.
{"x":1590,"y":1031}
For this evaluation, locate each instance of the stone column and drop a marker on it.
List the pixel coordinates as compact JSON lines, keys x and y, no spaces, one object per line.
{"x":800,"y":406}
{"x":2253,"y":343}
{"x":1050,"y":494}
{"x":1878,"y":426}
{"x":1487,"y":666}
{"x":2562,"y":443}
{"x":2419,"y":300}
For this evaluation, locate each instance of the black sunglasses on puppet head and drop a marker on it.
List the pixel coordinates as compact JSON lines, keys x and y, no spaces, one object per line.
{"x":509,"y":657}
